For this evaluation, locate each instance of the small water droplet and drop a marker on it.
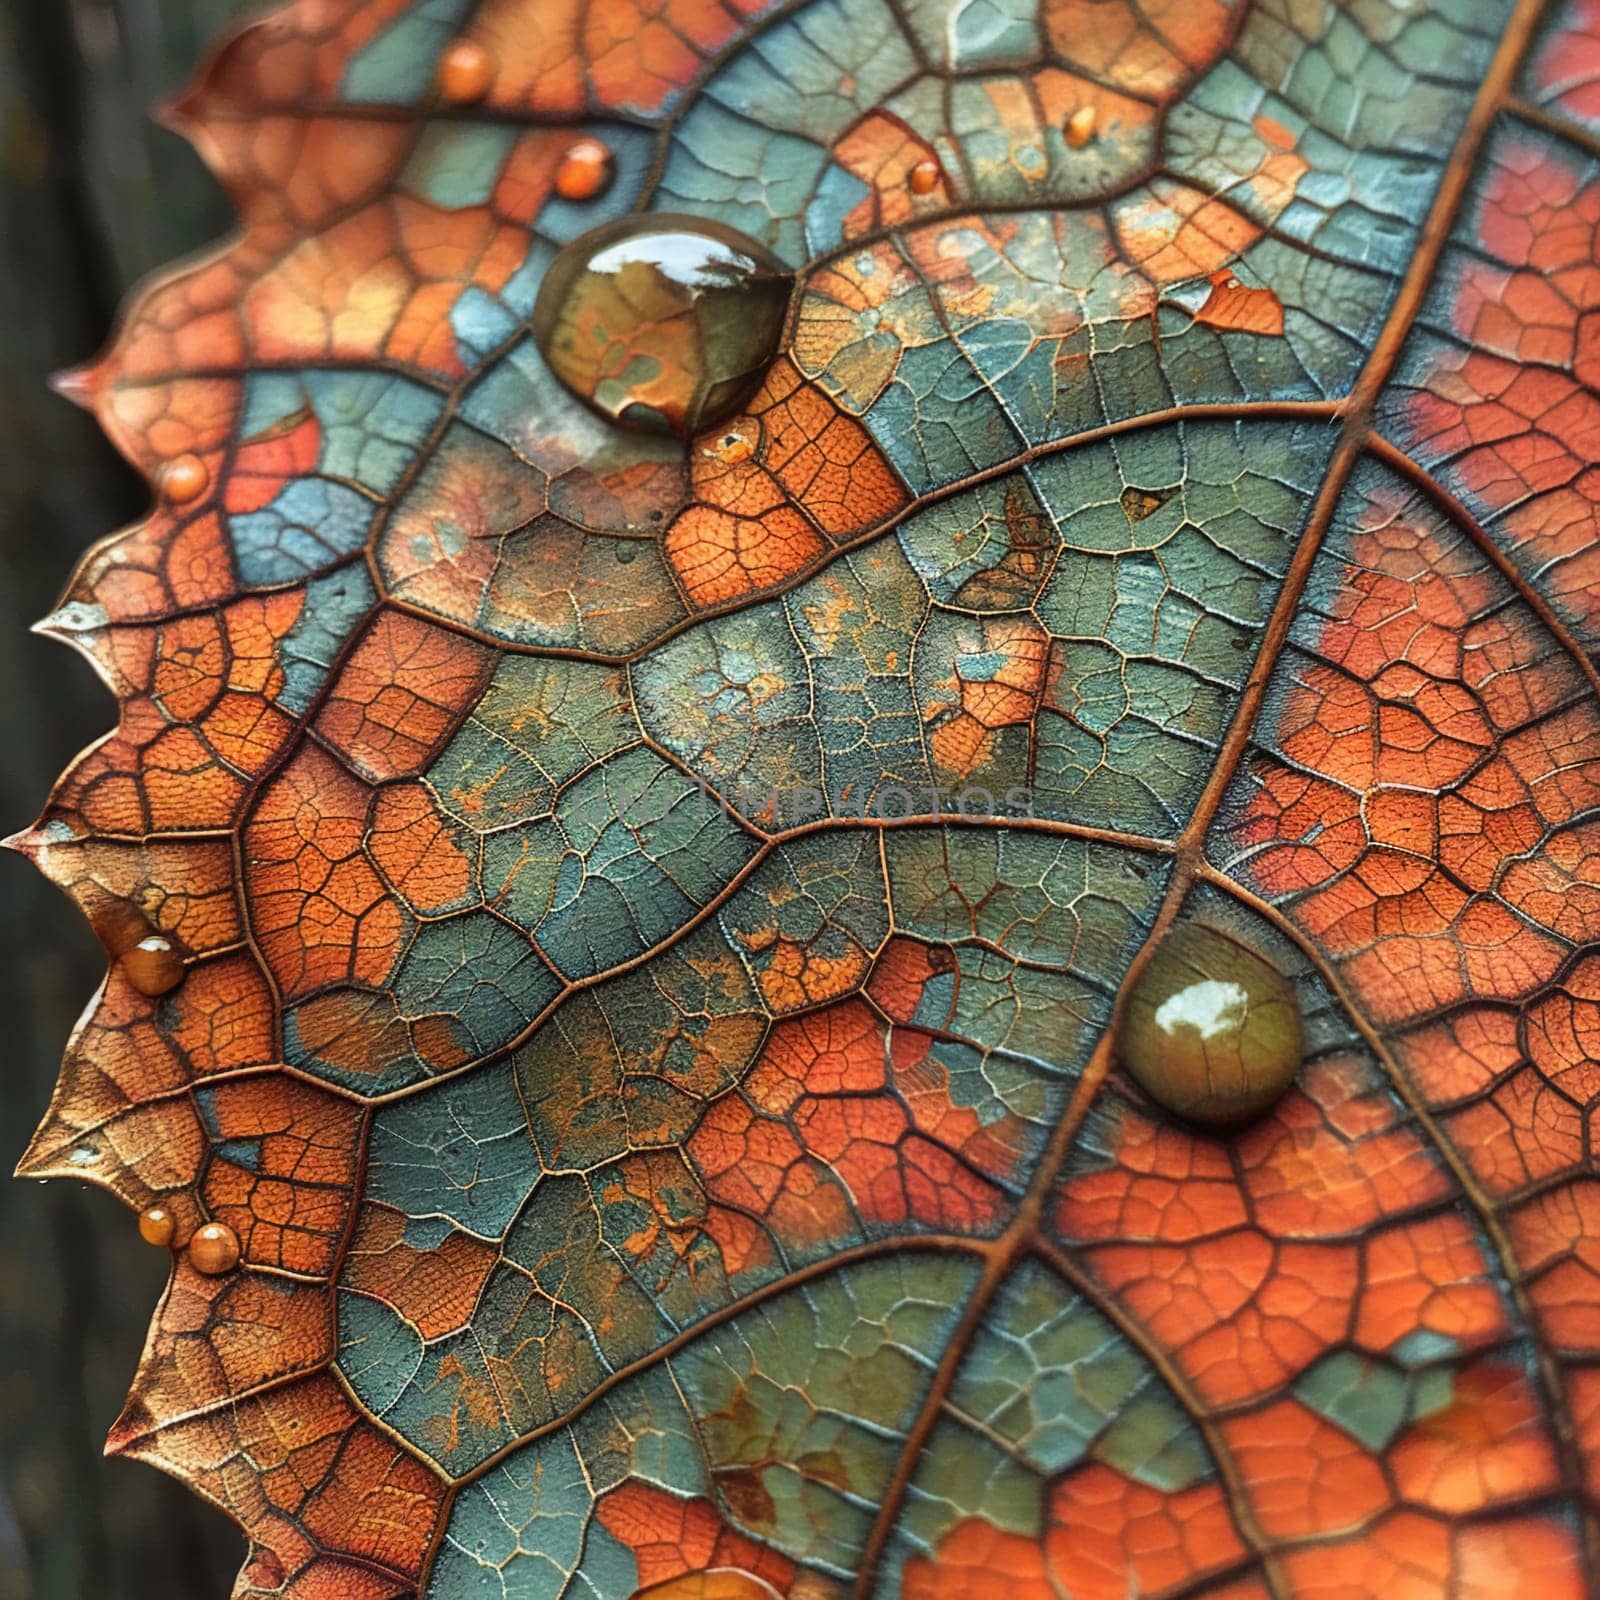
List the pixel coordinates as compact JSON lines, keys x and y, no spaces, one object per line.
{"x":924,"y":177}
{"x":466,"y":70}
{"x":626,"y":553}
{"x":1212,"y":1030}
{"x":1080,"y":127}
{"x":663,"y":323}
{"x":214,"y":1249}
{"x":184,"y":478}
{"x":586,"y":170}
{"x":152,"y":966}
{"x":157,"y":1225}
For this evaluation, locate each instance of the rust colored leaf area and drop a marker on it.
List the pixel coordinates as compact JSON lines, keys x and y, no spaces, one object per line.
{"x":901,"y":902}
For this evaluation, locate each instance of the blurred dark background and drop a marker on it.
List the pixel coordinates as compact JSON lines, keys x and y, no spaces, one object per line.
{"x":92,"y":197}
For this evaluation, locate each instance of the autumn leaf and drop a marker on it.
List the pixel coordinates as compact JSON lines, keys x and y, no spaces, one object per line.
{"x":852,"y":842}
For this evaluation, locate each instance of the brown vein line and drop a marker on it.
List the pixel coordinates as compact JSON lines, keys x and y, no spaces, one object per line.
{"x":228,"y":372}
{"x":1020,"y":1237}
{"x":759,"y":858}
{"x":977,"y":209}
{"x":20,"y":840}
{"x":300,"y":731}
{"x":1223,"y":411}
{"x":1568,"y":1448}
{"x":1356,"y":411}
{"x":1043,"y":825}
{"x":1011,"y":1246}
{"x":973,"y":205}
{"x":1553,"y":123}
{"x":157,"y":1426}
{"x":139,"y":1449}
{"x":1239,"y":1507}
{"x":690,"y":95}
{"x":330,"y":1368}
{"x":798,"y":1278}
{"x":341,"y":1254}
{"x":1392,"y":456}
{"x":255,"y":1069}
{"x":769,"y":21}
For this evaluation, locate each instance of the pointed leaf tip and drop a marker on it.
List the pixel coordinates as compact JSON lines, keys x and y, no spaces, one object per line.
{"x":60,"y":1150}
{"x":25,"y":842}
{"x":175,"y":113}
{"x":77,"y":384}
{"x":39,"y":1159}
{"x":82,"y":626}
{"x":134,"y":1424}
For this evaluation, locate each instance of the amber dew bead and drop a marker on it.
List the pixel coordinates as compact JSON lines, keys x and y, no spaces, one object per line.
{"x":1080,"y":127}
{"x":145,"y":957}
{"x":466,"y":71}
{"x":214,"y":1249}
{"x":586,"y":170}
{"x":924,"y":177}
{"x":1212,"y":1029}
{"x":157,"y":1226}
{"x":152,"y":966}
{"x":184,"y":478}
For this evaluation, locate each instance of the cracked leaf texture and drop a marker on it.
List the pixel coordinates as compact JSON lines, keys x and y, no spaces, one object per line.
{"x":673,"y":1154}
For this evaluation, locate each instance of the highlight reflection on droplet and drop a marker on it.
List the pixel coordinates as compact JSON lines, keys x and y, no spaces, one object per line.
{"x":1212,"y":1030}
{"x":661,"y":322}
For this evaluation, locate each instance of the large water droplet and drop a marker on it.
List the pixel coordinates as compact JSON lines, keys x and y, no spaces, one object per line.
{"x":152,"y":966}
{"x":1212,"y":1030}
{"x":662,"y":322}
{"x":147,"y":958}
{"x":157,"y":1225}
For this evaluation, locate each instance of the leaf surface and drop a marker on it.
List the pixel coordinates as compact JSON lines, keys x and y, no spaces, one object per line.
{"x":677,"y":1152}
